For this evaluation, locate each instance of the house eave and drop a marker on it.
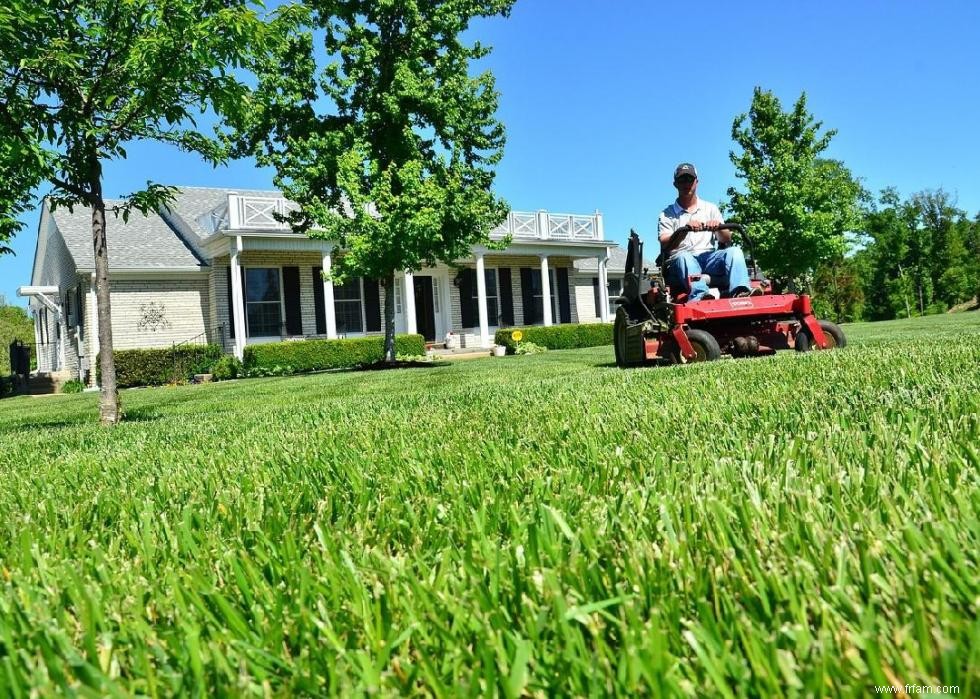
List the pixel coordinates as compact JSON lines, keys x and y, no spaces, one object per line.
{"x":128,"y":273}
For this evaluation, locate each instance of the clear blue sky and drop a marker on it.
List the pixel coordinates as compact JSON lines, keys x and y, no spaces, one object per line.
{"x":601,"y":98}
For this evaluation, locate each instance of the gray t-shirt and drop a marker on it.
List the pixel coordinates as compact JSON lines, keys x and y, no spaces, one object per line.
{"x":696,"y":242}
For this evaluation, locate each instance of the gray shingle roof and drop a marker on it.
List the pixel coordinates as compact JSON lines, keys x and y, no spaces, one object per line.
{"x":616,"y":264}
{"x":191,"y":203}
{"x":145,"y":242}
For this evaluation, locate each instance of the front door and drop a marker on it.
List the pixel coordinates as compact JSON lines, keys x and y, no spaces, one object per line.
{"x":425,"y":312}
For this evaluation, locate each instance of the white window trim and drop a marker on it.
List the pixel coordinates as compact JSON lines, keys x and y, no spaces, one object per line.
{"x":613,"y":306}
{"x":363,"y":333}
{"x":258,"y":340}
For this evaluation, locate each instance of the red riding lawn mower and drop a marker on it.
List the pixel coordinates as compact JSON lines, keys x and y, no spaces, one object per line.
{"x":653,"y":327}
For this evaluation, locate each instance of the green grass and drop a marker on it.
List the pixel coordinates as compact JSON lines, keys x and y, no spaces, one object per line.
{"x":796,"y":525}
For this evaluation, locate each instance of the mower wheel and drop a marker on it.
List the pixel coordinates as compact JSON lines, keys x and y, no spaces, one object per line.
{"x":705,"y":346}
{"x":619,"y":336}
{"x":833,"y":333}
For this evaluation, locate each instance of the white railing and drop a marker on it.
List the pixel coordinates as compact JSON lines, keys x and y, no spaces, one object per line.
{"x":542,"y":225}
{"x":259,"y":213}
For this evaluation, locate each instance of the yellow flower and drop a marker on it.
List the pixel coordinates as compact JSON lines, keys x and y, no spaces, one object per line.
{"x":517,"y":336}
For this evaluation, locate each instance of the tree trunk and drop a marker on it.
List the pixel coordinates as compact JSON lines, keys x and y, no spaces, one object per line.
{"x":389,"y":353}
{"x":110,"y":408}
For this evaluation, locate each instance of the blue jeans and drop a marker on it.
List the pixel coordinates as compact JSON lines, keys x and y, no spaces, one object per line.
{"x":725,"y":267}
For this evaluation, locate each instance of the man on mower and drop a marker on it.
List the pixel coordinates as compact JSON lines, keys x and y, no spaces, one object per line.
{"x":694,"y":255}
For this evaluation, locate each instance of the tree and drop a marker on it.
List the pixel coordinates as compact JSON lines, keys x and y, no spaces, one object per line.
{"x":82,"y":78}
{"x":798,"y":204}
{"x":838,"y":291}
{"x":390,"y":149}
{"x":15,"y":324}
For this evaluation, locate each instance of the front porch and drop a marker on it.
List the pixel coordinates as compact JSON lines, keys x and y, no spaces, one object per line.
{"x":267,"y":283}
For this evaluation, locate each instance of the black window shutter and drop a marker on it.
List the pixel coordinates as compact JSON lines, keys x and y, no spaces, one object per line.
{"x":372,"y":305}
{"x":598,"y":300}
{"x":564,"y":303}
{"x":527,"y":296}
{"x":231,"y":310}
{"x":80,"y":302}
{"x":468,"y":310}
{"x":318,"y":307}
{"x":506,"y":295}
{"x":294,"y":309}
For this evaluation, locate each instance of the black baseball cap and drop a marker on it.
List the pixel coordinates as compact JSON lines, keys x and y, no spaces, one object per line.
{"x":685,"y":169}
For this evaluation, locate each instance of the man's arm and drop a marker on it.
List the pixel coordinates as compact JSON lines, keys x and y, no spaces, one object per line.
{"x":724,"y":237}
{"x":670,"y":236}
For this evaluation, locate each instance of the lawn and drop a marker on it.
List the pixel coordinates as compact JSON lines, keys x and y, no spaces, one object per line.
{"x":795,"y":525}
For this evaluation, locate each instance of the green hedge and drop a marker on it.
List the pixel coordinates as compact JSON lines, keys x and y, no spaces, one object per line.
{"x":6,"y":386}
{"x":314,"y":355}
{"x":567,"y":336}
{"x":157,"y":367}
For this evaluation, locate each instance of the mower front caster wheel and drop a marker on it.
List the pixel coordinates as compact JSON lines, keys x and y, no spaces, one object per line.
{"x":705,"y":347}
{"x":831,"y":331}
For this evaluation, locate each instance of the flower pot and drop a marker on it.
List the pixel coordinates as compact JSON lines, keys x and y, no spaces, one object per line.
{"x":499,"y":350}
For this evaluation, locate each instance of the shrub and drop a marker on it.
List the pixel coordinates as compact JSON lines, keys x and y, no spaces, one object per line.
{"x":529,"y":348}
{"x":156,"y":367}
{"x":72,"y":386}
{"x":227,"y":367}
{"x":316,"y":355}
{"x":6,"y":386}
{"x":567,"y":336}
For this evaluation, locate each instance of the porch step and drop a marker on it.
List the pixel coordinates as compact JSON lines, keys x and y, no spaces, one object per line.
{"x":460,"y":352}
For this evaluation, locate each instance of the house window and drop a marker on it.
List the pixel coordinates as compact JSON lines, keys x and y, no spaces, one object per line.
{"x":615,"y":288}
{"x":348,"y":306}
{"x":263,"y":301}
{"x":539,"y":298}
{"x":493,"y":297}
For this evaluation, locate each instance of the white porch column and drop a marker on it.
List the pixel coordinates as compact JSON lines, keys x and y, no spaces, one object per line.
{"x":329,"y":309}
{"x":546,"y":290}
{"x":481,"y":300}
{"x":93,"y":306}
{"x":603,"y":289}
{"x":237,"y":299}
{"x":410,"y":327}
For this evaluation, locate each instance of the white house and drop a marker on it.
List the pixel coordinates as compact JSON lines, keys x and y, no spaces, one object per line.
{"x":218,"y":267}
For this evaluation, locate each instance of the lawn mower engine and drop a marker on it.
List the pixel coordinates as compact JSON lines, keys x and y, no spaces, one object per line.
{"x":653,"y":327}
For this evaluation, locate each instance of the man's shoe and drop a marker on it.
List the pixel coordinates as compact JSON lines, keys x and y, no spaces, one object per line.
{"x":740,"y":293}
{"x":710,"y":295}
{"x":756,"y":291}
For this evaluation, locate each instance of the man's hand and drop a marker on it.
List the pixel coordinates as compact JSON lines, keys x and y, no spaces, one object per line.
{"x":695,"y":225}
{"x":712,"y":224}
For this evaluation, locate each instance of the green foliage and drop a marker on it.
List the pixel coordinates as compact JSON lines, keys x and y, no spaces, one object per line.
{"x":564,"y":336}
{"x":511,"y":528}
{"x":158,"y":367}
{"x":390,"y":149}
{"x":72,"y":386}
{"x":81,"y":79}
{"x":921,"y":255}
{"x":529,"y":348}
{"x":838,"y":293}
{"x":227,"y":367}
{"x":15,"y":324}
{"x":6,"y":386}
{"x":797,"y":203}
{"x":281,"y":358}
